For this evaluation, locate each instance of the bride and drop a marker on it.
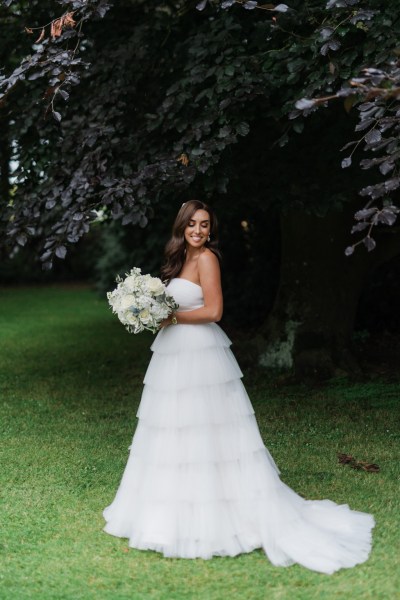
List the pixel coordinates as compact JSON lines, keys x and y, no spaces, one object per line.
{"x":199,"y":481}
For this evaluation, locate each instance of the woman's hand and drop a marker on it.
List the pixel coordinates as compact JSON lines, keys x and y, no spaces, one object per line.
{"x":165,"y":323}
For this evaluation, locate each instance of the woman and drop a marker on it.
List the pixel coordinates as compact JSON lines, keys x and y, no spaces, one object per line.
{"x":199,"y":481}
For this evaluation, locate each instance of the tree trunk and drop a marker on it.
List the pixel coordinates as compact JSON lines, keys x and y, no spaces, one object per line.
{"x":311,"y":324}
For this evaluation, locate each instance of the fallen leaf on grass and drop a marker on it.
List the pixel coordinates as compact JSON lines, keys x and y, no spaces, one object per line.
{"x":361,"y":465}
{"x":344,"y":459}
{"x":365,"y":466}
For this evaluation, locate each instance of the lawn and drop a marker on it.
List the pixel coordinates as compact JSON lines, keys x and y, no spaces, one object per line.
{"x":70,"y":385}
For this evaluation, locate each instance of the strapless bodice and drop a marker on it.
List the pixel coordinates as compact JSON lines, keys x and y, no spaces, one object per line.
{"x":187,"y":294}
{"x":184,"y":337}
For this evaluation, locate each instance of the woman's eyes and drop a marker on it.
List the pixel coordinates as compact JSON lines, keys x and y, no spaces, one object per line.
{"x":202,"y":224}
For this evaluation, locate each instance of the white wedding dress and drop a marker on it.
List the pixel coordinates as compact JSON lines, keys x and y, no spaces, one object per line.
{"x":199,"y":481}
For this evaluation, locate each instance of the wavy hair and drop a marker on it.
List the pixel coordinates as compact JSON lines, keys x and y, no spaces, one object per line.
{"x":175,"y":250}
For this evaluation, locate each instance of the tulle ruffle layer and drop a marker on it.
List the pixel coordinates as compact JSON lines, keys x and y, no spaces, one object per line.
{"x":191,"y":369}
{"x":197,"y":444}
{"x":199,"y":481}
{"x":180,"y":339}
{"x":223,"y":509}
{"x":222,"y":403}
{"x":191,"y":356}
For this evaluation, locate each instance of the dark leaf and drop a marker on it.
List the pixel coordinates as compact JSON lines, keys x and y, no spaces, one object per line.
{"x":51,"y":202}
{"x":326,"y":33}
{"x":346,"y":162}
{"x":386,"y":216}
{"x":281,"y":8}
{"x":369,"y":243}
{"x":102,"y":8}
{"x":225,"y":103}
{"x":201,"y":5}
{"x":46,"y":255}
{"x":72,"y":239}
{"x":36,"y":75}
{"x":61,"y":251}
{"x":22,"y":239}
{"x":250,"y":5}
{"x":348,"y":145}
{"x":335,"y":4}
{"x":364,"y":124}
{"x":362,"y":15}
{"x":304,"y":104}
{"x":224,"y":131}
{"x":365,"y":213}
{"x":375,"y":191}
{"x":373,"y":136}
{"x":242,"y":128}
{"x":392,"y":184}
{"x":332,"y":44}
{"x":360,"y":226}
{"x":366,"y":106}
{"x":63,"y":94}
{"x":126,"y":219}
{"x":386,"y":167}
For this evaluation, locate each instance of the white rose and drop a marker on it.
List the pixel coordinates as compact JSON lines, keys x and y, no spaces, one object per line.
{"x":155,"y":286}
{"x":130,"y":318}
{"x":127,"y":301}
{"x":131,"y":283}
{"x":160,"y":312}
{"x":144,"y":316}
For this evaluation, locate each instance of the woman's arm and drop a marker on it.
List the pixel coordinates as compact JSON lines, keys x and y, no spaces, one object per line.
{"x":210,"y":281}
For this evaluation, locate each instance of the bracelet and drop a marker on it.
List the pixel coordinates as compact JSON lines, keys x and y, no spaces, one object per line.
{"x":174,"y":320}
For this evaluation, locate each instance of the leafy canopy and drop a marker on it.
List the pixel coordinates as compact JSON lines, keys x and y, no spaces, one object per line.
{"x":112,"y":108}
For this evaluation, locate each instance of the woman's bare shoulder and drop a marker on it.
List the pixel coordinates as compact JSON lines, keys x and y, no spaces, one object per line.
{"x":208,"y":257}
{"x":208,"y":263}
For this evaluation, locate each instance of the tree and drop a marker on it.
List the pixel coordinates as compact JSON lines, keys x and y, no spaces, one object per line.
{"x":157,"y":101}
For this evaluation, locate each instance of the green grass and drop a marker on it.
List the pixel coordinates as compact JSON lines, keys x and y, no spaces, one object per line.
{"x":70,"y":384}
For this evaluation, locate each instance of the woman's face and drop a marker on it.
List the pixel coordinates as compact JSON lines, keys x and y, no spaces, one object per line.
{"x":198,"y":229}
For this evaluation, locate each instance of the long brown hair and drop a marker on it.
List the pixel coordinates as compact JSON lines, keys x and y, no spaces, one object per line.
{"x":175,"y":250}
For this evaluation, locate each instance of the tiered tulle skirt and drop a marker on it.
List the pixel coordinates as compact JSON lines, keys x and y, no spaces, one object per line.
{"x":199,"y":481}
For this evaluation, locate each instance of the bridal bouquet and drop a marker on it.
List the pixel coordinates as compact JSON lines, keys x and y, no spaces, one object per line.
{"x":141,"y":301}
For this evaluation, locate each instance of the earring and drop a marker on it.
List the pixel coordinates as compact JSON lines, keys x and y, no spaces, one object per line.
{"x":208,"y":239}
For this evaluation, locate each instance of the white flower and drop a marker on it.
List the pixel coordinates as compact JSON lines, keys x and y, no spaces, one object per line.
{"x":130,"y":283}
{"x":126,"y":302}
{"x":145,"y":316}
{"x":155,"y":286}
{"x":140,"y":301}
{"x":129,"y":318}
